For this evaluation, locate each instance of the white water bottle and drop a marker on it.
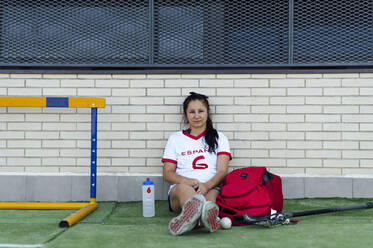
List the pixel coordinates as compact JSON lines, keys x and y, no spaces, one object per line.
{"x":148,"y":208}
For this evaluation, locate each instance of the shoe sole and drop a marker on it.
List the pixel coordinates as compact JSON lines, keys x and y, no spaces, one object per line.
{"x":188,"y":218}
{"x":210,"y":216}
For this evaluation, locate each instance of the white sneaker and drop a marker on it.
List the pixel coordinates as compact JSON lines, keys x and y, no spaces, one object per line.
{"x":210,"y":216}
{"x":189,"y":216}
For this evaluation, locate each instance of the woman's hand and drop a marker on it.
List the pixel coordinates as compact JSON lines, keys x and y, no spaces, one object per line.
{"x":202,"y":189}
{"x":194,"y":183}
{"x":223,"y":163}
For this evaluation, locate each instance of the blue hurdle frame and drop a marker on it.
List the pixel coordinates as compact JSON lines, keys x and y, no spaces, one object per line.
{"x":63,"y":102}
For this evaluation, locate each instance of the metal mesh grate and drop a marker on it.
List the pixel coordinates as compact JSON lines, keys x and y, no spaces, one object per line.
{"x":166,"y":33}
{"x":74,"y":32}
{"x":221,"y":32}
{"x":333,"y":32}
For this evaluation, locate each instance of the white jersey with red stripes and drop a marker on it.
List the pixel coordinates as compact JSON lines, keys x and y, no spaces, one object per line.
{"x":192,"y":157}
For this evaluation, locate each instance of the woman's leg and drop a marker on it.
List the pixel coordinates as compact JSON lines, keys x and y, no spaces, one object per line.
{"x":179,"y":194}
{"x":184,"y":199}
{"x":212,"y":195}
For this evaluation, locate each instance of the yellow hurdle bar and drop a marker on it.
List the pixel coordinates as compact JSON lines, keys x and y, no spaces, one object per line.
{"x":80,"y":102}
{"x":23,"y":102}
{"x":66,"y":102}
{"x":42,"y":205}
{"x":78,"y":215}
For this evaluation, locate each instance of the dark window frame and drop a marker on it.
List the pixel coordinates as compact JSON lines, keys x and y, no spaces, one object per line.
{"x":227,"y":52}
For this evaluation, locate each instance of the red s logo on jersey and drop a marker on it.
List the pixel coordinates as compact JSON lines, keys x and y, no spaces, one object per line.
{"x":199,"y":166}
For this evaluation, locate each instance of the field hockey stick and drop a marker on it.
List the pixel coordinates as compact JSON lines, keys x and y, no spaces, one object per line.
{"x":329,"y":210}
{"x":283,"y":218}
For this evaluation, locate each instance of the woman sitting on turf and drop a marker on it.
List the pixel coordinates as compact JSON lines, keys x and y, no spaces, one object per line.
{"x":195,"y":163}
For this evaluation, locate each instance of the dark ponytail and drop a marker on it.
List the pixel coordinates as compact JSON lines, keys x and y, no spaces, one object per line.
{"x":211,"y":135}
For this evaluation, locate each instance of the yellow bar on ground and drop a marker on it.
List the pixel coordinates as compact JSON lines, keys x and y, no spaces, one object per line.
{"x":42,"y":205}
{"x":78,"y":215}
{"x":82,"y":102}
{"x":23,"y":102}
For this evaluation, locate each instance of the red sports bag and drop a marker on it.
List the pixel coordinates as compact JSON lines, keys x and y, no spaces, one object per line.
{"x":251,"y":190}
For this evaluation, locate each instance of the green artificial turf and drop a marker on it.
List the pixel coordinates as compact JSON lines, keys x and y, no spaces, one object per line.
{"x":30,"y":226}
{"x":122,"y":225}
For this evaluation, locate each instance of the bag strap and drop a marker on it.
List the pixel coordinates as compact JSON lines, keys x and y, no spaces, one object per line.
{"x":267,"y":176}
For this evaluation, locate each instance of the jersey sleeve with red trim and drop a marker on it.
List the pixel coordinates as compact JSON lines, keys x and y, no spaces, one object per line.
{"x":223,"y":147}
{"x":170,"y":154}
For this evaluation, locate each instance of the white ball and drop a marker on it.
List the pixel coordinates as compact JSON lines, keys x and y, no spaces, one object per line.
{"x":226,"y":223}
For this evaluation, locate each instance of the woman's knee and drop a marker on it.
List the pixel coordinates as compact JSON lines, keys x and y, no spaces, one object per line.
{"x":181,"y":189}
{"x":179,"y":194}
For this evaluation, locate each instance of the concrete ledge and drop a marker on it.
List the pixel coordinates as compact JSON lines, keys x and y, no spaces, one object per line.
{"x":48,"y":188}
{"x":293,"y":187}
{"x":328,"y":187}
{"x":128,"y":188}
{"x":13,"y":188}
{"x":362,"y":188}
